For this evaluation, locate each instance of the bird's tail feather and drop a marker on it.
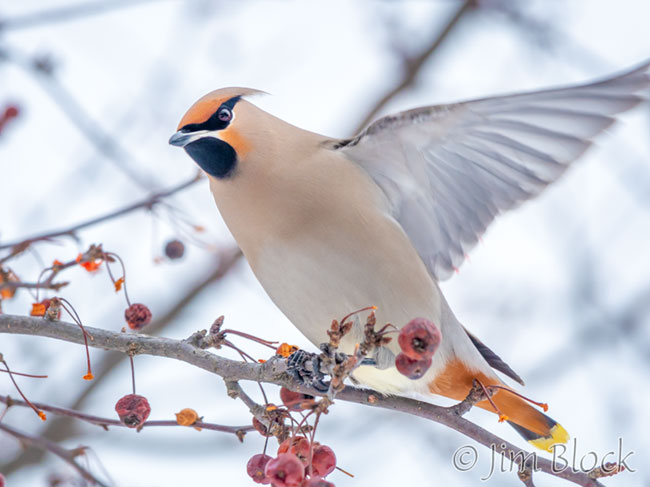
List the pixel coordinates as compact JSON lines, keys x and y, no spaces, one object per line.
{"x":534,"y":426}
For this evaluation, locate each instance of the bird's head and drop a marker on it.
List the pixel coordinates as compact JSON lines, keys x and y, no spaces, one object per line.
{"x":212,"y":131}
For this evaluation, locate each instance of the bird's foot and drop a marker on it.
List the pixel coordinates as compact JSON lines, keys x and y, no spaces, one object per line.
{"x":306,"y":367}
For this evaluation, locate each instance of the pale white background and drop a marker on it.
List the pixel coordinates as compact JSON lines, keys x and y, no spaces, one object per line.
{"x":559,"y":288}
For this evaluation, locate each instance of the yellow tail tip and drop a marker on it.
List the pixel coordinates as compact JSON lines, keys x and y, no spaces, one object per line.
{"x":558,"y":435}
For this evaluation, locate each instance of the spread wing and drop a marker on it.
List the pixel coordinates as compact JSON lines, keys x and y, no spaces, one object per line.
{"x":449,"y":170}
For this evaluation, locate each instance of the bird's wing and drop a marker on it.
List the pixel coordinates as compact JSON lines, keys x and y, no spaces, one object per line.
{"x":449,"y":170}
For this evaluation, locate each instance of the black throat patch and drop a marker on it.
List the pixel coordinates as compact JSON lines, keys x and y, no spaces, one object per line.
{"x":213,"y":155}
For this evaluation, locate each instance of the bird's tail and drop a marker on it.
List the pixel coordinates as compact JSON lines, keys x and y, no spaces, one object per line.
{"x":534,"y":426}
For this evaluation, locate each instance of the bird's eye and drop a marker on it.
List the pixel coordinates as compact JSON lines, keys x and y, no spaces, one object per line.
{"x":225,"y":114}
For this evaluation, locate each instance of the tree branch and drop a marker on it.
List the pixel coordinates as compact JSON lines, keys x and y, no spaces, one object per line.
{"x":414,"y":65}
{"x":148,"y":203}
{"x":67,"y":456}
{"x":106,"y":422}
{"x":67,"y":13}
{"x":273,"y":371}
{"x":59,"y":429}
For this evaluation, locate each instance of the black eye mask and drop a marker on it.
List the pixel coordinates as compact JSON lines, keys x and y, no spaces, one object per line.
{"x":214,"y":122}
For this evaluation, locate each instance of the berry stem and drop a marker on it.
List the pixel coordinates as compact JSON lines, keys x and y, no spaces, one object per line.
{"x":132,"y":373}
{"x":367,"y":308}
{"x":33,"y":376}
{"x":502,"y":417}
{"x":75,"y":317}
{"x":542,"y":405}
{"x":119,"y":259}
{"x":261,"y":341}
{"x":40,"y":413}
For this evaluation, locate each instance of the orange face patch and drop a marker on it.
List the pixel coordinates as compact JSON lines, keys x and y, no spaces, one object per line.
{"x":232,"y":136}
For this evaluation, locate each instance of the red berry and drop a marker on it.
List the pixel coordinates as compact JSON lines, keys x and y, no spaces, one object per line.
{"x":137,"y":316}
{"x":175,"y":249}
{"x":285,"y":471}
{"x":286,"y":444}
{"x":11,"y":111}
{"x":323,"y":460}
{"x":297,"y":446}
{"x":293,"y":400}
{"x":317,"y":482}
{"x":413,"y":369}
{"x":133,"y":410}
{"x":255,"y":468}
{"x":419,"y":339}
{"x":2,"y":480}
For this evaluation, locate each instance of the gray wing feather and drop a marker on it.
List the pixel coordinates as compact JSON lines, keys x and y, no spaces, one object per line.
{"x":449,"y":170}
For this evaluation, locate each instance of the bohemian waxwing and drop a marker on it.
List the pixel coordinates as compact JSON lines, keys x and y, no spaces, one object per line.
{"x":331,"y":226}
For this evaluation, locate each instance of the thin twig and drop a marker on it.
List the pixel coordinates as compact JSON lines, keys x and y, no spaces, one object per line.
{"x":42,"y":443}
{"x":59,"y":428}
{"x":414,"y":65}
{"x":67,"y":13}
{"x":105,"y":422}
{"x":147,"y":203}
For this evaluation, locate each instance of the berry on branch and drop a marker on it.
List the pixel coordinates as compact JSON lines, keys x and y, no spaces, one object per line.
{"x":133,"y":410}
{"x":174,"y":249}
{"x":137,"y":316}
{"x":419,"y":339}
{"x":285,"y":471}
{"x":323,"y":461}
{"x":255,"y":468}
{"x":413,"y":369}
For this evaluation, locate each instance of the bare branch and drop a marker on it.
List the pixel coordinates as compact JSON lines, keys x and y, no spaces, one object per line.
{"x":67,"y":456}
{"x":414,"y":65}
{"x":59,"y":429}
{"x":273,"y":371}
{"x":67,"y":13}
{"x":105,"y":422}
{"x":148,"y":203}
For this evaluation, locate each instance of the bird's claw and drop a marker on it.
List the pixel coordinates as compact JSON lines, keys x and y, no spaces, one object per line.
{"x":306,"y":367}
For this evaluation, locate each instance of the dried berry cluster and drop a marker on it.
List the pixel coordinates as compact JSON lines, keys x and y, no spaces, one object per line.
{"x":418,"y":340}
{"x":299,"y":463}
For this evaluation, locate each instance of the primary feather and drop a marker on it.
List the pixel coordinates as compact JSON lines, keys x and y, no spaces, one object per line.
{"x":449,"y":170}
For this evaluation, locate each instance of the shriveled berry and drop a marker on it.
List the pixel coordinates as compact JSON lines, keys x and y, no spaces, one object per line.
{"x":293,"y":400}
{"x":289,"y":442}
{"x":133,"y":410}
{"x":419,"y":339}
{"x":255,"y":468}
{"x":137,"y":316}
{"x":298,"y":446}
{"x":317,"y":482}
{"x":174,"y":249}
{"x":260,"y":427}
{"x":413,"y":369}
{"x":285,"y":471}
{"x":323,"y":460}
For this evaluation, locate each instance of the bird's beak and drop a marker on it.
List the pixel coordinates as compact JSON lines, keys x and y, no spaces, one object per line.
{"x":180,"y":139}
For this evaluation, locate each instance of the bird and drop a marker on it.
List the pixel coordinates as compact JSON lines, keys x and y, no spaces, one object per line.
{"x":332,"y":225}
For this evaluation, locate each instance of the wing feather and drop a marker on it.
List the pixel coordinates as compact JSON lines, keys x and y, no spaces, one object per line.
{"x":449,"y":170}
